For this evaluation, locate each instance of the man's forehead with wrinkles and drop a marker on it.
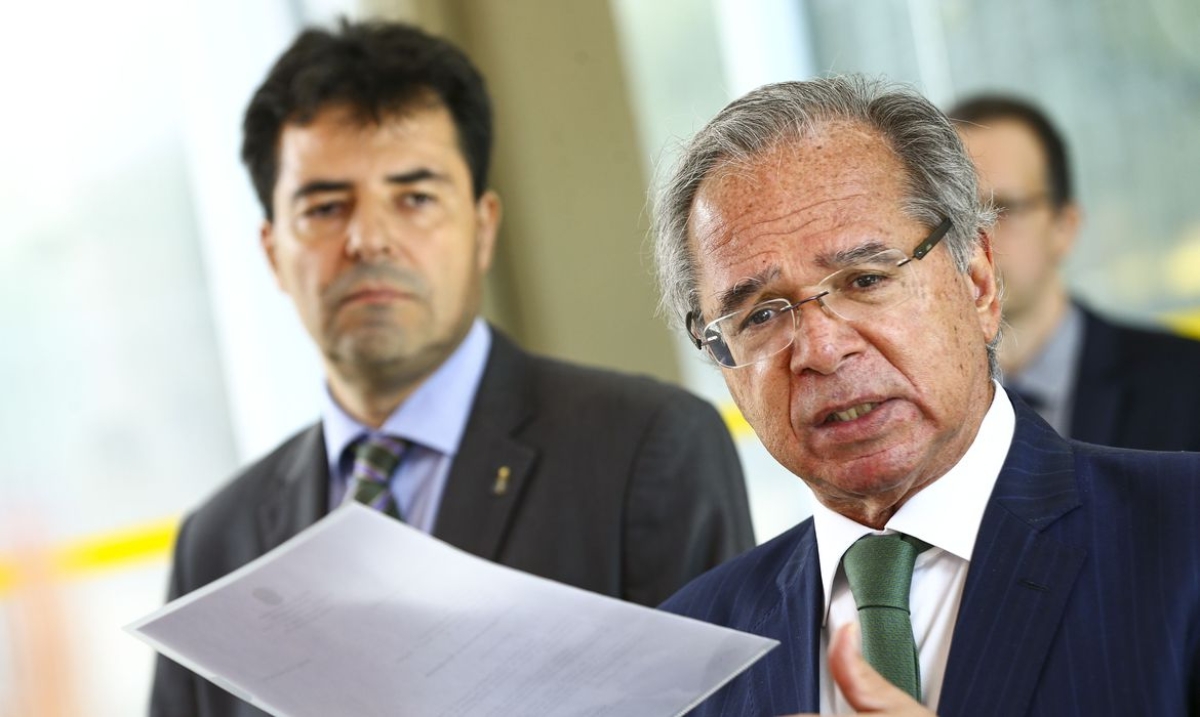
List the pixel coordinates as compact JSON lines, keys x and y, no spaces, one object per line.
{"x":747,"y":215}
{"x":777,"y":190}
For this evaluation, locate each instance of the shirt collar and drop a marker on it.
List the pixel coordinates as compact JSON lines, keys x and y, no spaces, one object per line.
{"x":434,"y":416}
{"x":946,"y":513}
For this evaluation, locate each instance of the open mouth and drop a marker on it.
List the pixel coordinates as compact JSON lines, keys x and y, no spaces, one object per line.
{"x":851,"y":413}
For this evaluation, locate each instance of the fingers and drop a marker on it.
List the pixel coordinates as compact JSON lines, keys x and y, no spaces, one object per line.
{"x":861,"y":685}
{"x":864,"y":688}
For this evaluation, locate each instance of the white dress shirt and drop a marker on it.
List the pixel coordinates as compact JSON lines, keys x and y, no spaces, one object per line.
{"x":946,"y":514}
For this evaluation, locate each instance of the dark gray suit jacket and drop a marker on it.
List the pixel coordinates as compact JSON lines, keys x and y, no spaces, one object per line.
{"x":1136,"y":388}
{"x":620,"y":485}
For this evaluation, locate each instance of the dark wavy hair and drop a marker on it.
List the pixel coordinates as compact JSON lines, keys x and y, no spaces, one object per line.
{"x":374,"y":68}
{"x":982,"y":109}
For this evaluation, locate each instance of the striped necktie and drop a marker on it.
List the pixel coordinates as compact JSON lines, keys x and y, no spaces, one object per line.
{"x":879,"y":569}
{"x":375,"y":459}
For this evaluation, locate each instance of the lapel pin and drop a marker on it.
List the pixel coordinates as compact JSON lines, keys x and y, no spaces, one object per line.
{"x":501,"y":484}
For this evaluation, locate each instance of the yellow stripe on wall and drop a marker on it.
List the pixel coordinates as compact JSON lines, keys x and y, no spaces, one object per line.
{"x":738,"y":427}
{"x":1185,"y":322}
{"x":145,"y":542}
{"x":95,"y":554}
{"x":152,"y":541}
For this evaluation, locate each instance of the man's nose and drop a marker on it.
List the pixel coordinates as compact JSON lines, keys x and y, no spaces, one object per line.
{"x":823,"y":340}
{"x":371,"y":236}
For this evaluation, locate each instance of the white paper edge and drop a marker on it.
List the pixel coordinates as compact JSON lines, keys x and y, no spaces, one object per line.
{"x":744,"y":666}
{"x":338,"y":514}
{"x":133,"y":628}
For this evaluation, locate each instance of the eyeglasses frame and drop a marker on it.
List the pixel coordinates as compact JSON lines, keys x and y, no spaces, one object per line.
{"x":918,"y":253}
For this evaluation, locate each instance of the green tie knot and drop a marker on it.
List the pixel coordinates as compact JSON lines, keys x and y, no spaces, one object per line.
{"x":879,"y":568}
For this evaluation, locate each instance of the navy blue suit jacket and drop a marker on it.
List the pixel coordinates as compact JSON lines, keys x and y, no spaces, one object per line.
{"x":1083,"y":595}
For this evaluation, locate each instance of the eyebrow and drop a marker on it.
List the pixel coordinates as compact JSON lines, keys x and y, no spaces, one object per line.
{"x":849,"y":257}
{"x":317,"y":186}
{"x":734,"y":298}
{"x":421,"y":174}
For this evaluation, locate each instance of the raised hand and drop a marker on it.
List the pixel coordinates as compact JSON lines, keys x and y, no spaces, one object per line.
{"x":864,"y":688}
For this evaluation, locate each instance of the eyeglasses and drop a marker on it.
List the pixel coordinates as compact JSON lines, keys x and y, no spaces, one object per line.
{"x":854,"y":293}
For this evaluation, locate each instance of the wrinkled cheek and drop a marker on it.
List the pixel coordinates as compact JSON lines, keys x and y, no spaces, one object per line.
{"x":765,"y":404}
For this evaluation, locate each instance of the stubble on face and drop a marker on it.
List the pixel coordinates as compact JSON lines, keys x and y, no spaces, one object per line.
{"x":381,"y":306}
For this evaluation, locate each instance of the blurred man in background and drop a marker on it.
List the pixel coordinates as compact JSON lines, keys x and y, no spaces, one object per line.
{"x":1090,"y":378}
{"x":369,"y":150}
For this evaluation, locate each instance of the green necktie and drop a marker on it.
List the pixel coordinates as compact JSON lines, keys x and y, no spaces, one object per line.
{"x":879,"y":568}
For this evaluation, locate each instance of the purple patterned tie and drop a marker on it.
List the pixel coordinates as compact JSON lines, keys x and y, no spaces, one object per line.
{"x":375,"y":459}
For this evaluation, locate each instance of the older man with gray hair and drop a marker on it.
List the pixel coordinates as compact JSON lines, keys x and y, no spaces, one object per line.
{"x":824,"y":243}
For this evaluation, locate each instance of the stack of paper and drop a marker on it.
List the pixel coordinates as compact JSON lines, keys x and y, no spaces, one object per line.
{"x":362,"y":615}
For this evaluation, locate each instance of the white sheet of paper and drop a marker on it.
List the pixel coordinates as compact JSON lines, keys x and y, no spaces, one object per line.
{"x":361,"y":615}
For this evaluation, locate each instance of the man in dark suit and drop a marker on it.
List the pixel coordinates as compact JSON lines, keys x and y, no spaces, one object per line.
{"x":826,"y":244}
{"x":1090,"y":378}
{"x":368,"y":147}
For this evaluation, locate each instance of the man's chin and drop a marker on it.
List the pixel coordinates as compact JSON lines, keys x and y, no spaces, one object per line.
{"x":375,"y":348}
{"x":389,"y":360}
{"x":880,"y":473}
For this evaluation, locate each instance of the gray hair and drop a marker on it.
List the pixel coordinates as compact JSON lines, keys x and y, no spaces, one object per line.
{"x":940,"y":176}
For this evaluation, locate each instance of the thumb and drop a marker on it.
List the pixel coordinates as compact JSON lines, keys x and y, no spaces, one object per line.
{"x":864,"y":688}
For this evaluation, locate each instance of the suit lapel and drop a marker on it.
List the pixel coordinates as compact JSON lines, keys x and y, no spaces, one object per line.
{"x":803,"y":635}
{"x":492,"y":467}
{"x":300,"y":493}
{"x":1019,"y":580}
{"x":773,"y":591}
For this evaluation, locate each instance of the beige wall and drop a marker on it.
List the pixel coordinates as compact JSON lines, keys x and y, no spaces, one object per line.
{"x":572,"y":277}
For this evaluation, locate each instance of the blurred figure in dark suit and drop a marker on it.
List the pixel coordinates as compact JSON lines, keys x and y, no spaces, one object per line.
{"x":1090,"y":378}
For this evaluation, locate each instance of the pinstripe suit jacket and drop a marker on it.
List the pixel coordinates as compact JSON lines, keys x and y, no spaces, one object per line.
{"x":1083,"y":595}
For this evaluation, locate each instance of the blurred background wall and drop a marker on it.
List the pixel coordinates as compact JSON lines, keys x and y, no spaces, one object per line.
{"x":145,"y":352}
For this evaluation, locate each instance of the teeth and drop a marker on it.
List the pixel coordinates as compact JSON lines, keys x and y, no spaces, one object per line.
{"x":851,"y":413}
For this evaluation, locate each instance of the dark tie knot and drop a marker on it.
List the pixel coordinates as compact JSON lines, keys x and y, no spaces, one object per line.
{"x":378,"y":452}
{"x":376,"y":457}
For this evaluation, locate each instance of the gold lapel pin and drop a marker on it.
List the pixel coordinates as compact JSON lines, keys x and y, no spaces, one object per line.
{"x":501,"y":484}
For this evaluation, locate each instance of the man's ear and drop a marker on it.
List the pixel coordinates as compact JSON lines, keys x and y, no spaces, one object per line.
{"x":487,"y":225}
{"x":985,"y":287}
{"x":266,"y":239}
